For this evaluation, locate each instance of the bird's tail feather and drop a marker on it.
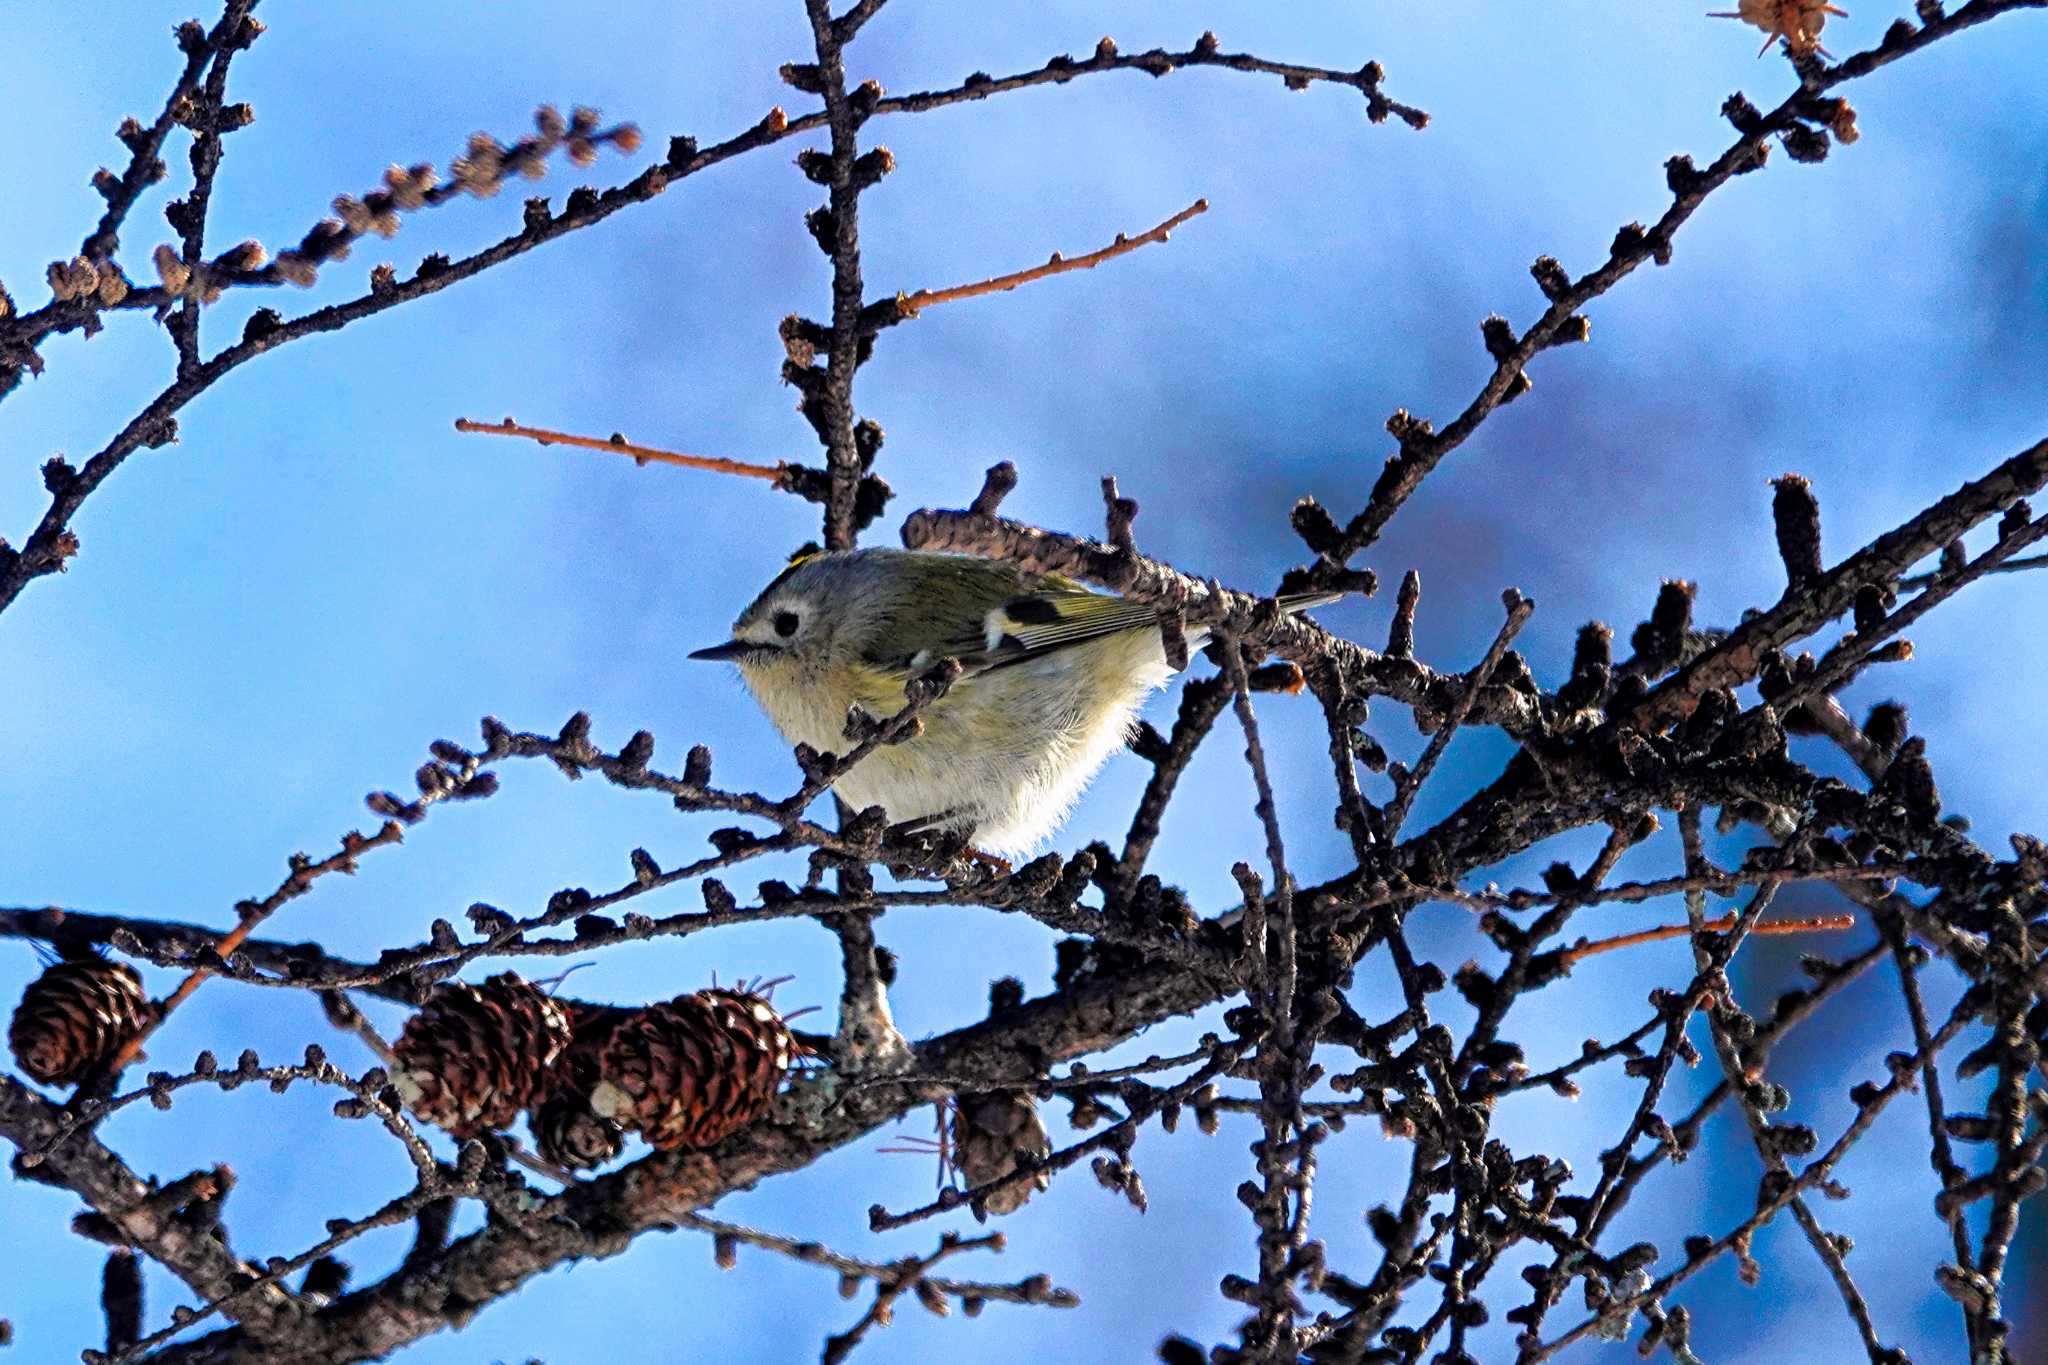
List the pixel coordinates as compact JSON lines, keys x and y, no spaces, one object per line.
{"x":1296,"y":602}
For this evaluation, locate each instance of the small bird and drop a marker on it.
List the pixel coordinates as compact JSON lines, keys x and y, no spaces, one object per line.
{"x":1051,"y":678}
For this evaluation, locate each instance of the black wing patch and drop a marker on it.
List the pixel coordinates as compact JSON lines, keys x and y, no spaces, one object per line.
{"x":1032,"y":610}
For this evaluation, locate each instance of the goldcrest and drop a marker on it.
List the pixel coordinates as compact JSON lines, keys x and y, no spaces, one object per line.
{"x":1052,"y":677}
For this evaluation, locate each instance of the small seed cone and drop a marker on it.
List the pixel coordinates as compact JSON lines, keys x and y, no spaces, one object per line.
{"x":75,"y":1016}
{"x":991,"y":1130}
{"x":689,"y":1072}
{"x":566,"y":1130}
{"x":569,"y":1134}
{"x":474,"y":1056}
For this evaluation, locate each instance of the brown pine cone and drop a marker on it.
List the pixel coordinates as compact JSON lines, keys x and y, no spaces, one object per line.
{"x":991,"y":1129}
{"x":474,"y":1056}
{"x":566,"y":1130}
{"x":75,"y":1016}
{"x":569,"y":1134}
{"x":689,"y":1072}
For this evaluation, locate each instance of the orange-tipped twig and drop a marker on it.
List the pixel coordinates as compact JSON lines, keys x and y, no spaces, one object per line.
{"x":619,"y":445}
{"x":1583,"y":948}
{"x":909,"y":305}
{"x":302,"y":875}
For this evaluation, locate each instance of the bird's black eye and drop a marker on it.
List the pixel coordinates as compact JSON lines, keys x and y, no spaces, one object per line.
{"x":785,"y":623}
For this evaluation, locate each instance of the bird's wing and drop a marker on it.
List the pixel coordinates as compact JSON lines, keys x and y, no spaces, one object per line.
{"x":996,"y":616}
{"x":987,"y":615}
{"x":1031,"y":625}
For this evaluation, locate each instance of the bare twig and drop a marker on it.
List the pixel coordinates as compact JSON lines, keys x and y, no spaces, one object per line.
{"x":1034,"y":1289}
{"x":881,"y":1220}
{"x":905,"y":1276}
{"x":207,"y":114}
{"x":1201,"y":702}
{"x":831,"y":394}
{"x":1814,"y":925}
{"x":910,"y":305}
{"x":1738,"y":658}
{"x":1206,"y":52}
{"x":619,"y":445}
{"x":1814,"y":1174}
{"x":145,"y":166}
{"x":1273,"y":944}
{"x":252,"y":913}
{"x":1940,"y":1152}
{"x":1421,"y":448}
{"x":1745,"y":1079}
{"x":1914,"y":582}
{"x":1519,"y":610}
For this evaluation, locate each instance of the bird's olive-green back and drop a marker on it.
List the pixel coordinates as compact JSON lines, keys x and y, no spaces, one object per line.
{"x":895,"y":610}
{"x":897,"y":605}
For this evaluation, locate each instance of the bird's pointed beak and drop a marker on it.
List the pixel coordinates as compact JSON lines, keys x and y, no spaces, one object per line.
{"x":731,"y":651}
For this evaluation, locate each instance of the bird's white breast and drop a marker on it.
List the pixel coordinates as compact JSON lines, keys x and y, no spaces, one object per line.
{"x":1004,"y":754}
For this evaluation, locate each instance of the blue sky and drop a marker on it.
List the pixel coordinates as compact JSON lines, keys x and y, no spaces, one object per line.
{"x":278,"y":613}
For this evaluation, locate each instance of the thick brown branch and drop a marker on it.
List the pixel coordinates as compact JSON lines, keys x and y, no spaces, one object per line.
{"x":1737,"y":659}
{"x":185,"y":1247}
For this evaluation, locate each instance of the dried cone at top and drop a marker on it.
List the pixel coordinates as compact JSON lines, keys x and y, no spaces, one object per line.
{"x":566,"y":1130}
{"x":474,"y":1056}
{"x":689,"y":1072}
{"x":75,"y":1016}
{"x":991,"y":1130}
{"x":1798,"y":22}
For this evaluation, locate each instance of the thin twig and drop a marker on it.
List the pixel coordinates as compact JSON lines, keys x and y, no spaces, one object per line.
{"x":1914,"y":582}
{"x":1281,"y":1053}
{"x":910,"y":305}
{"x":144,"y":164}
{"x":1685,"y":1133}
{"x":1422,"y":449}
{"x":1519,"y":610}
{"x":343,"y":1014}
{"x":831,"y":393}
{"x":1201,"y":702}
{"x":1034,"y":1290}
{"x":907,"y":1274}
{"x":1156,"y":62}
{"x":1941,"y":1152}
{"x":881,"y":1220}
{"x":1814,"y":1174}
{"x":1744,"y":1078}
{"x":1522,"y":954}
{"x":205,"y":114}
{"x":253,"y":913}
{"x":618,"y":445}
{"x":1817,"y":924}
